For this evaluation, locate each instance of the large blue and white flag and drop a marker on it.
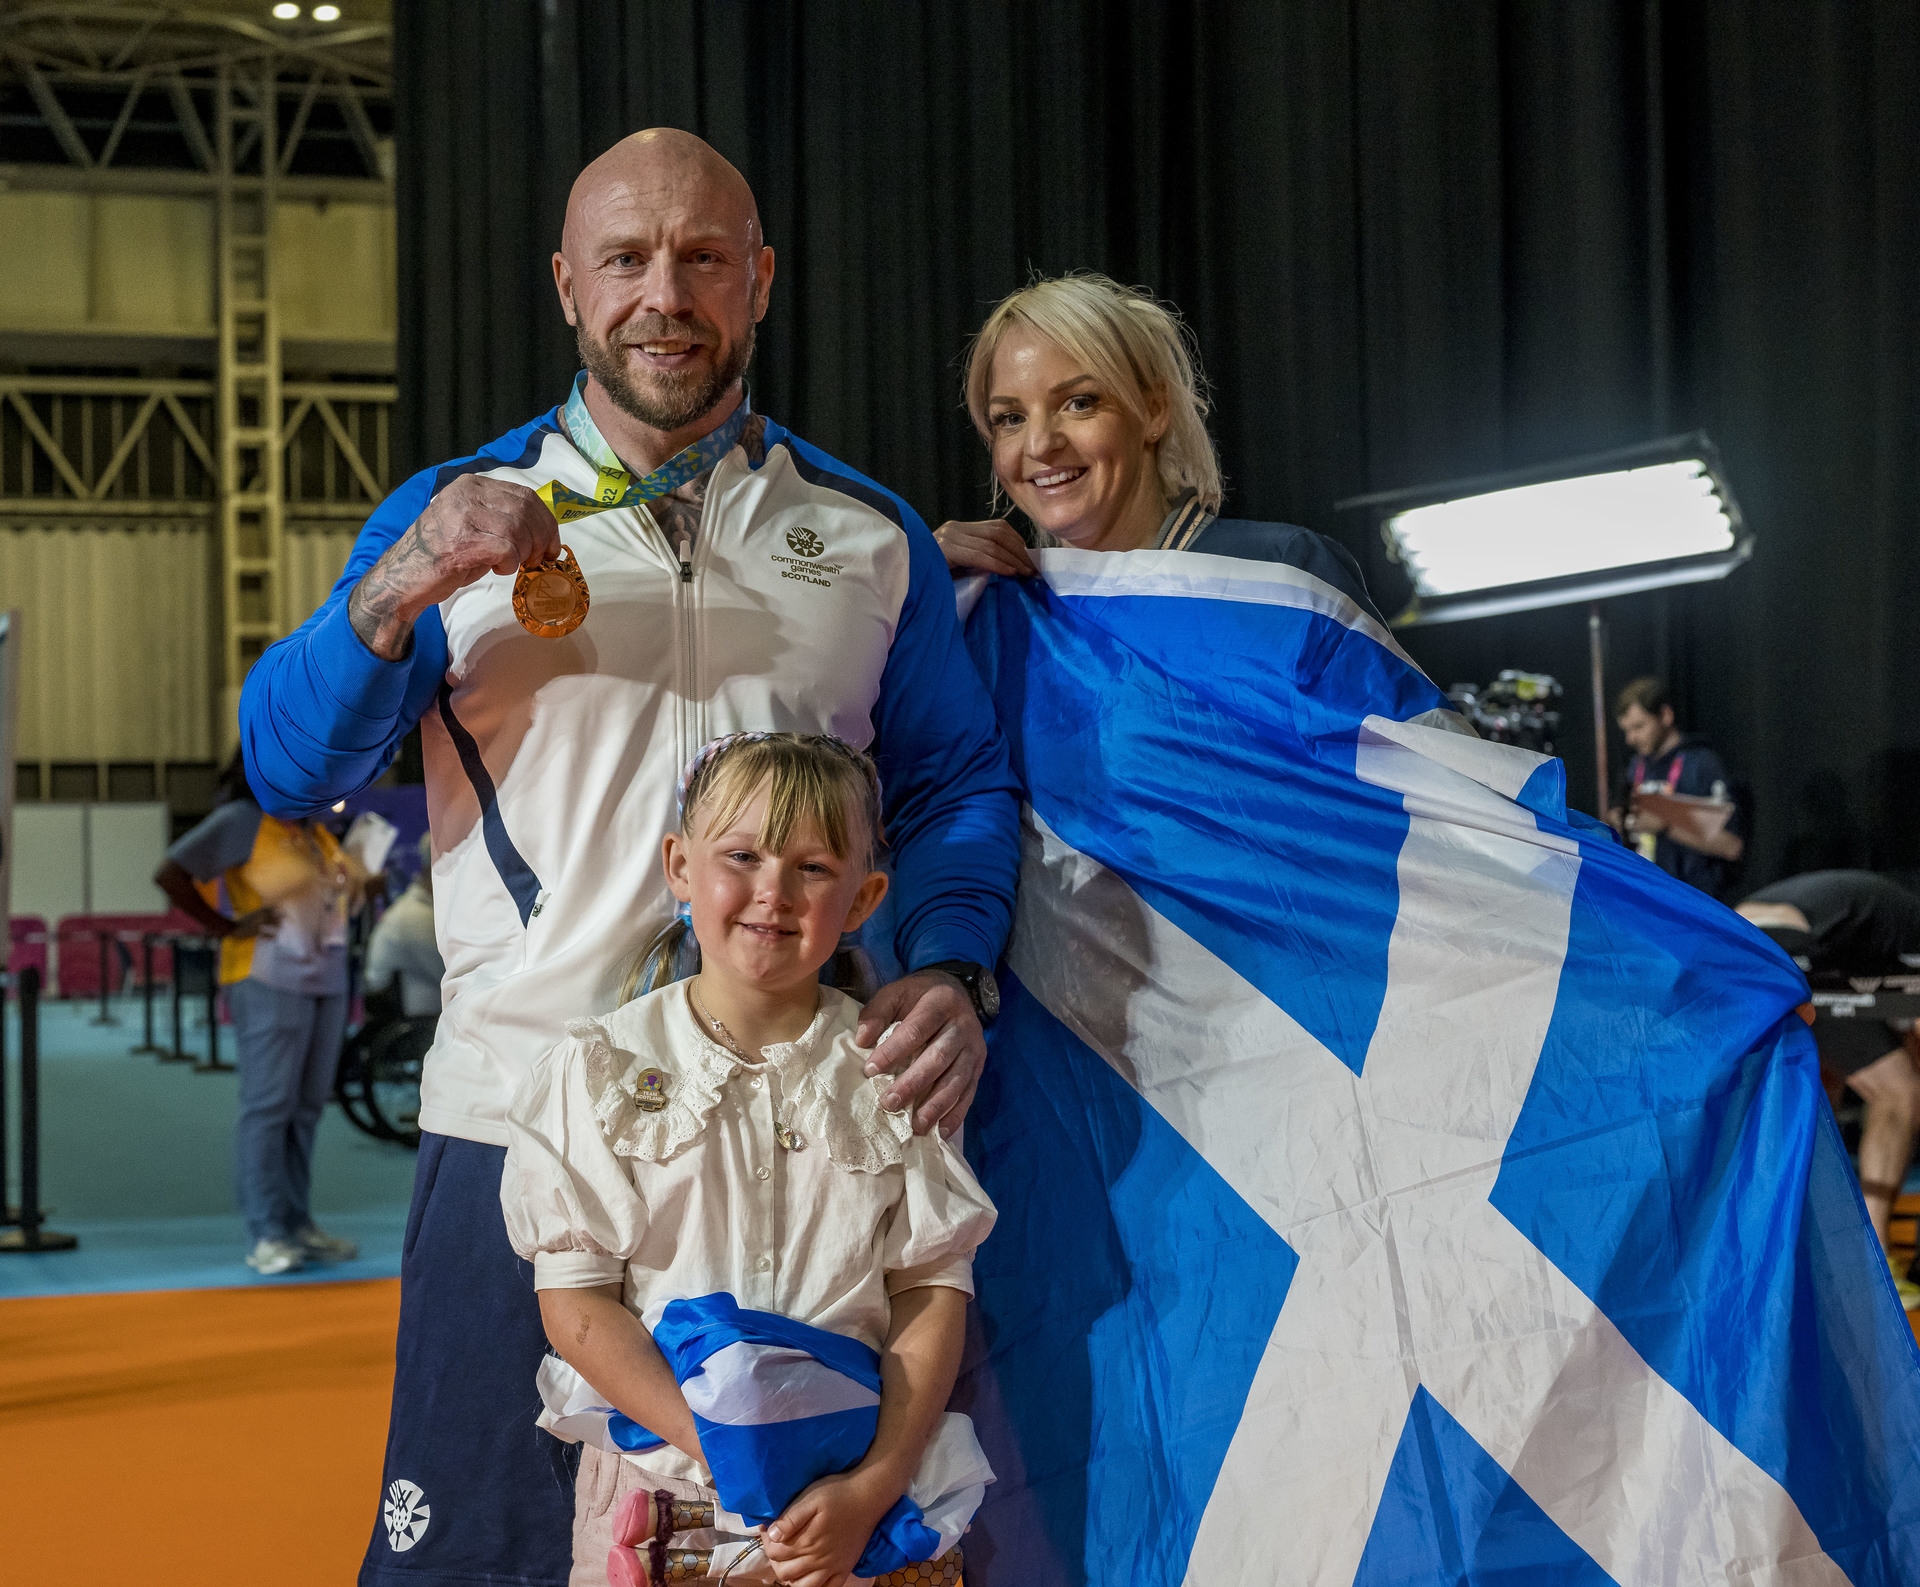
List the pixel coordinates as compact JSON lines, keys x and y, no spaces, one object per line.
{"x":1399,"y":1181}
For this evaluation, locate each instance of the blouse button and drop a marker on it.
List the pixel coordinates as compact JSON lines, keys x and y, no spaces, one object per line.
{"x":755,"y":1082}
{"x":763,"y":1172}
{"x":765,"y":1264}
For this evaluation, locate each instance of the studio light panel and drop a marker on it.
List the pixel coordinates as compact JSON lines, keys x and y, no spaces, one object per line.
{"x":1564,"y":528}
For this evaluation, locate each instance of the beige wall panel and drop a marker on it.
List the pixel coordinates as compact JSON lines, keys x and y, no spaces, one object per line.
{"x":145,"y":262}
{"x":117,"y":626}
{"x":315,"y":552}
{"x":153,"y":263}
{"x":46,"y":241}
{"x":335,"y":271}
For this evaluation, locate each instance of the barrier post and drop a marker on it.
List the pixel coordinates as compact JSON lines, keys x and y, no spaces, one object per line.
{"x":147,"y":1044}
{"x":9,"y":1215}
{"x":30,"y":1237}
{"x":105,"y":1016}
{"x":179,"y":1055}
{"x":212,"y":1064}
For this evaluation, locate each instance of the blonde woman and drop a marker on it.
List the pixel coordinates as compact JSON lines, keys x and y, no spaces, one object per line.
{"x":1089,"y":398}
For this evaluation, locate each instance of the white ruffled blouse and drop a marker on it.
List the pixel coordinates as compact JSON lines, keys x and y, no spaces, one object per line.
{"x":700,"y":1196}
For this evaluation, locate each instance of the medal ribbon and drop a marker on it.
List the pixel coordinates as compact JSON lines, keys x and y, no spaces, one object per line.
{"x":613,"y":485}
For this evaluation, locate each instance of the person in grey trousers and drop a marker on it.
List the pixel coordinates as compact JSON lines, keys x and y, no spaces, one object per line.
{"x":283,"y":965}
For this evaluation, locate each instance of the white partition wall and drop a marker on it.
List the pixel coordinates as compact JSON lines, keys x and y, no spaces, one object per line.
{"x":75,"y":859}
{"x":125,"y":845}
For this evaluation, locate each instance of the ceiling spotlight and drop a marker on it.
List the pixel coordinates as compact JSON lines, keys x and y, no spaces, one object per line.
{"x":286,"y":12}
{"x":326,"y":13}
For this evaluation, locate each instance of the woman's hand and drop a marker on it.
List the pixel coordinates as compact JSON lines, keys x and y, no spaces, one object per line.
{"x":255,"y":923}
{"x":820,"y":1536}
{"x":990,"y":546}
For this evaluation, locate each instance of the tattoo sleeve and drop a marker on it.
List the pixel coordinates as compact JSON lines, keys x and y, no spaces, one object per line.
{"x":377,"y":606}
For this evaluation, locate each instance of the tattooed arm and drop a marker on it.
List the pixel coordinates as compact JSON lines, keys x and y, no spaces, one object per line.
{"x":473,"y":527}
{"x":326,"y":709}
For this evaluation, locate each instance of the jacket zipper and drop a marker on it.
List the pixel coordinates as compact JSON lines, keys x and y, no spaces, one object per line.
{"x":689,"y":554}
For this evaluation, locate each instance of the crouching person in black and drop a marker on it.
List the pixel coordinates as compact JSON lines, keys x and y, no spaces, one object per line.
{"x":1857,"y":924}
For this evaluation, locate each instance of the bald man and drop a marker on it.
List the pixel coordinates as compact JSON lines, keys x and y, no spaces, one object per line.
{"x":738,"y":579}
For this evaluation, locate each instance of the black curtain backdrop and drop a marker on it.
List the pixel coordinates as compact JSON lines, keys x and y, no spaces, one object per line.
{"x":1418,"y":239}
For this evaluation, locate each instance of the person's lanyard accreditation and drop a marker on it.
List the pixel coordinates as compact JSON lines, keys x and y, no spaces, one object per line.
{"x":614,"y":486}
{"x":1672,"y":783}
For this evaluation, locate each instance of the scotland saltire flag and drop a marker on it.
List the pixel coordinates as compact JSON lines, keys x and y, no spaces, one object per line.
{"x":1400,"y":1182}
{"x":779,"y":1404}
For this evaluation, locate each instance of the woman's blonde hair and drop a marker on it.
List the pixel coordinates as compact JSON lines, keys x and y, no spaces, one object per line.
{"x":809,"y":777}
{"x":1132,"y":344}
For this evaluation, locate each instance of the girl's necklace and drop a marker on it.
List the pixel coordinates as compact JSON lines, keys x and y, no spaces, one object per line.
{"x":788,"y":1138}
{"x":725,"y":1035}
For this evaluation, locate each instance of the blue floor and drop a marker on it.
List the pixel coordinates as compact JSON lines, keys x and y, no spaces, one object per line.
{"x":136,"y":1159}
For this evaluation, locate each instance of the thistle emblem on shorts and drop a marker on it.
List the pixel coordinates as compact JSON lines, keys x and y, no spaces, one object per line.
{"x":406,"y":1513}
{"x":804,"y":542}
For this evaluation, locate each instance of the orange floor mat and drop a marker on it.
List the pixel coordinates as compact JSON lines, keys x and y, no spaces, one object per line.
{"x":187,"y":1438}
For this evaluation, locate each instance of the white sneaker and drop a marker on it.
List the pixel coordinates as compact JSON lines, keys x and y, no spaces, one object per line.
{"x":319,"y":1246}
{"x":269,"y":1257}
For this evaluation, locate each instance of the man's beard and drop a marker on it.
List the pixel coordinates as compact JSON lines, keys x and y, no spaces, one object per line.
{"x":666,"y":400}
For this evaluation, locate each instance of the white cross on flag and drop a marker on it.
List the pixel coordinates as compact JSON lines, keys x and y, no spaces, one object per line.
{"x":1400,"y":1182}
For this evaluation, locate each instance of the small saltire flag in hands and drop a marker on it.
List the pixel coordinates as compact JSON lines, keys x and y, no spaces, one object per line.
{"x":1400,"y":1182}
{"x":779,"y":1404}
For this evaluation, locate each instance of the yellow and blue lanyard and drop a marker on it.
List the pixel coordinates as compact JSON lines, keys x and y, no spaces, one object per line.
{"x":613,"y":485}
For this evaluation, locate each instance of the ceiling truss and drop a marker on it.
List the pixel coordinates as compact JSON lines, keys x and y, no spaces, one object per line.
{"x":166,"y":61}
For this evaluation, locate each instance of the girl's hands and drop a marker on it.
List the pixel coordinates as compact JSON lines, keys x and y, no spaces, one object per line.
{"x":990,"y":546}
{"x":820,"y":1536}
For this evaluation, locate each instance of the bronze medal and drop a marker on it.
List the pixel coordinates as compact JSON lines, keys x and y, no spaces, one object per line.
{"x":550,"y":599}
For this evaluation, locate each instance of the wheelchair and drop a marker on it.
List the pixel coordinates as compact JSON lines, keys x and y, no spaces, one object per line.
{"x":378,"y":1082}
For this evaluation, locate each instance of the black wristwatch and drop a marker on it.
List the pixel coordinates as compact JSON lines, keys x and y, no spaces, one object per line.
{"x":978,"y":980}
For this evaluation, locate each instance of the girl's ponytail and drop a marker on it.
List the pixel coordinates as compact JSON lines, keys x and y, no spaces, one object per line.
{"x":673,"y":954}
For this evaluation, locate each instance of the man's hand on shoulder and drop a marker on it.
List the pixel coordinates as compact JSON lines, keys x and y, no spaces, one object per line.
{"x":474,"y":527}
{"x":936,"y":1051}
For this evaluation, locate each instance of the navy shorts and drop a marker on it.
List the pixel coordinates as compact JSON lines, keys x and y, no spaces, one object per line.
{"x":472,"y":1491}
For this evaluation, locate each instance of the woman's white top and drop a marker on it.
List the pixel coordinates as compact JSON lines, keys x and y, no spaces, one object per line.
{"x":700,"y":1196}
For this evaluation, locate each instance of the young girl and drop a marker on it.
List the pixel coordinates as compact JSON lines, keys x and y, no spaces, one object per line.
{"x":717,"y":1142}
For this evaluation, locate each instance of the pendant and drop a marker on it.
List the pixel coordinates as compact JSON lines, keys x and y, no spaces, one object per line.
{"x":650,"y":1091}
{"x":550,"y":599}
{"x":786,"y":1137}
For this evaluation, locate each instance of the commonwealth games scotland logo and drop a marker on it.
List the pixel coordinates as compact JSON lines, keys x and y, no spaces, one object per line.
{"x":406,"y":1514}
{"x":804,"y":542}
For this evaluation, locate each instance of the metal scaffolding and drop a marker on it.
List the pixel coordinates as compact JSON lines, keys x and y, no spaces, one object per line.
{"x":231,"y":104}
{"x":252,"y":605}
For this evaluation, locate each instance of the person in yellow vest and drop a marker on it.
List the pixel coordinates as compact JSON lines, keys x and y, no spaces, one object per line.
{"x":283,"y":963}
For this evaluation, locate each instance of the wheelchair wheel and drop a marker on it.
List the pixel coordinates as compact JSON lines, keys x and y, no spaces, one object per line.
{"x":349,"y":1083}
{"x":390,"y":1087}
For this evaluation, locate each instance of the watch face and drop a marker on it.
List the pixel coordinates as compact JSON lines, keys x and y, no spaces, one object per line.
{"x":989,"y":994}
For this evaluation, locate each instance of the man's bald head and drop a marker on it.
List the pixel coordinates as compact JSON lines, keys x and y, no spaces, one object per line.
{"x":663,"y":272}
{"x":661,"y":168}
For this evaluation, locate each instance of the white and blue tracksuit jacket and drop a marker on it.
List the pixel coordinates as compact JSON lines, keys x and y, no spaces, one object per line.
{"x":812,"y":601}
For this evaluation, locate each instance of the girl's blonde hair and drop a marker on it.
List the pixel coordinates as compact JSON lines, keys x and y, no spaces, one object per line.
{"x":809,"y":777}
{"x":1133,"y":345}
